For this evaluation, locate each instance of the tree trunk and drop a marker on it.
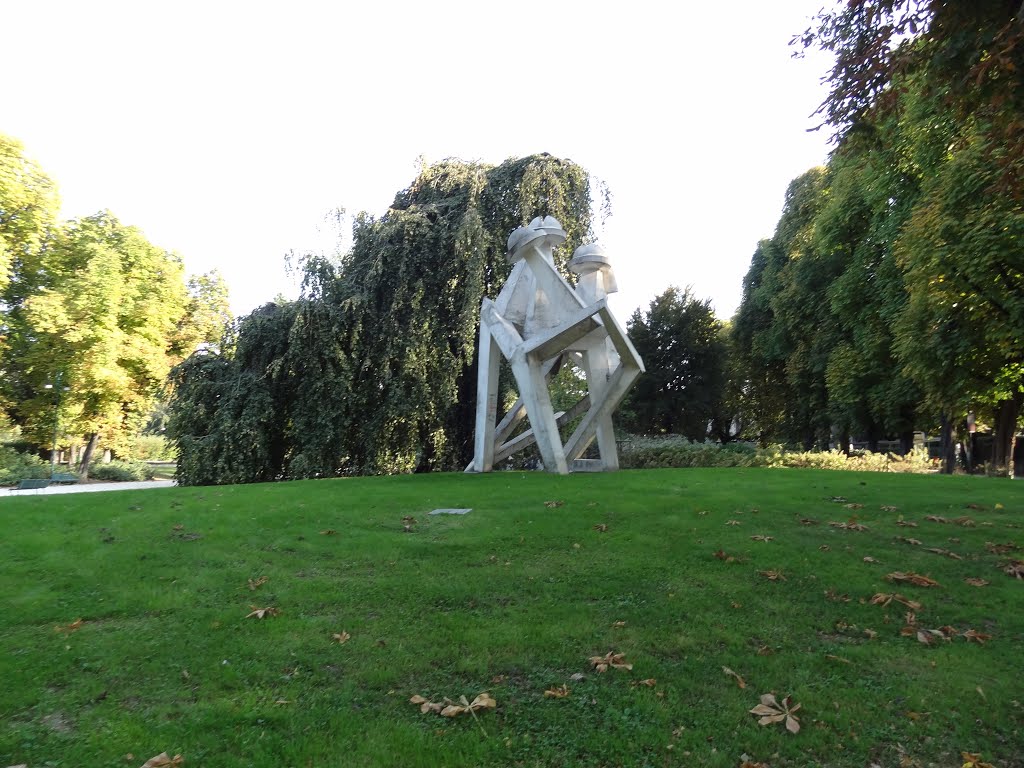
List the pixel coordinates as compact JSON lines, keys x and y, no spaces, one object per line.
{"x":90,"y":448}
{"x":906,"y":442}
{"x":1007,"y":412}
{"x":948,"y":443}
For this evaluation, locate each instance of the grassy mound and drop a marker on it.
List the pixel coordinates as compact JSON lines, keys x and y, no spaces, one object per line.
{"x":131,"y":621}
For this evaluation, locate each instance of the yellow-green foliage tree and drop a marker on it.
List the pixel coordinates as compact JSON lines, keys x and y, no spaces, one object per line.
{"x":105,"y":319}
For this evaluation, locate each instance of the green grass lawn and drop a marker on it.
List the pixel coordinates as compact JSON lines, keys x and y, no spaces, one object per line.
{"x":513,"y":599}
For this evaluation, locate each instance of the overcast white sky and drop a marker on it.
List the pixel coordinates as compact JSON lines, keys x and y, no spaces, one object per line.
{"x":226,"y":130}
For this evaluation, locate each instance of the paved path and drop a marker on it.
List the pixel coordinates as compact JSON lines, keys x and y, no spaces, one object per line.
{"x":87,"y":488}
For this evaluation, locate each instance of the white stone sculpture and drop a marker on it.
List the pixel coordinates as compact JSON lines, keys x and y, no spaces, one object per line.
{"x":537,"y":322}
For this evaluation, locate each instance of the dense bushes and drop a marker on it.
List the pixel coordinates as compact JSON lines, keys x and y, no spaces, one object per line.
{"x":16,"y":466}
{"x":121,"y":471}
{"x":672,"y":451}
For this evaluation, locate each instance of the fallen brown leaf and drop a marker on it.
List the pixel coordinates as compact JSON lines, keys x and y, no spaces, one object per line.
{"x":342,"y":637}
{"x":328,"y":532}
{"x":559,"y":692}
{"x":772,"y":711}
{"x":262,"y":613}
{"x":976,"y":582}
{"x":912,"y":578}
{"x":966,"y":522}
{"x":618,"y":624}
{"x":255,"y":584}
{"x":772,"y":575}
{"x":67,"y":629}
{"x":944,"y":552}
{"x":601,"y":527}
{"x":914,"y":542}
{"x":884,"y":599}
{"x":849,"y":526}
{"x":553,"y":504}
{"x":889,"y":508}
{"x":409,"y":520}
{"x":162,"y":760}
{"x":906,"y":523}
{"x":1001,"y":549}
{"x":833,"y":657}
{"x":739,"y":680}
{"x":610,"y":660}
{"x":972,"y":760}
{"x":854,"y":506}
{"x":973,"y":636}
{"x":732,"y":522}
{"x":824,"y":547}
{"x":762,"y":537}
{"x":936,"y":518}
{"x":870,"y":559}
{"x":808,"y":521}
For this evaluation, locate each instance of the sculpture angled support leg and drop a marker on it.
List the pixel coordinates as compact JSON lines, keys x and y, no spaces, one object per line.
{"x":534,"y":391}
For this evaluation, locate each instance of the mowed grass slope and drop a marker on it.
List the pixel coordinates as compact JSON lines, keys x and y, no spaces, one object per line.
{"x":513,"y":599}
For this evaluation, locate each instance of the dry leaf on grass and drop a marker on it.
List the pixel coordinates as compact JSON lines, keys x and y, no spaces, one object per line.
{"x":67,"y":629}
{"x":849,"y":526}
{"x":825,"y":548}
{"x":1014,"y":568}
{"x":914,"y":542}
{"x":840,"y":659}
{"x":262,"y":613}
{"x":610,"y":660}
{"x":556,"y":692}
{"x":838,"y":499}
{"x":448,"y":708}
{"x":601,"y":527}
{"x":553,"y":504}
{"x":973,"y":636}
{"x":328,"y":532}
{"x":762,"y":537}
{"x":772,"y":575}
{"x":808,"y":521}
{"x":732,"y":522}
{"x":936,"y":518}
{"x":854,"y":506}
{"x":772,"y":711}
{"x":618,"y":624}
{"x":255,"y":584}
{"x":884,"y":599}
{"x":889,"y":508}
{"x":650,"y":682}
{"x":721,"y":555}
{"x":870,"y":559}
{"x":912,"y":578}
{"x":739,"y":680}
{"x":342,"y":637}
{"x":976,"y":582}
{"x":944,"y":552}
{"x":835,"y":597}
{"x":966,"y":522}
{"x":1001,"y":549}
{"x":409,"y":520}
{"x":163,"y":760}
{"x":972,"y":760}
{"x":906,"y":523}
{"x":931,"y":636}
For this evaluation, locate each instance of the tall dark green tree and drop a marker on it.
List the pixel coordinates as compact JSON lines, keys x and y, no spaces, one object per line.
{"x":681,"y":343}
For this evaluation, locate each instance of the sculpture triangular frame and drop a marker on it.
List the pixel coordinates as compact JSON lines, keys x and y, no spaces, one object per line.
{"x":536,"y":322}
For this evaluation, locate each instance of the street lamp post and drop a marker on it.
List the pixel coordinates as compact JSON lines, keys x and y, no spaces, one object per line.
{"x":56,"y":420}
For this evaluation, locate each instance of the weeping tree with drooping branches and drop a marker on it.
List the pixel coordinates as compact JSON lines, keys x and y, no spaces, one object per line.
{"x":373,"y":369}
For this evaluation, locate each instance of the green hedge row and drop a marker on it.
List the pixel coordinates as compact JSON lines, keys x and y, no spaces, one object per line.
{"x":651,"y":452}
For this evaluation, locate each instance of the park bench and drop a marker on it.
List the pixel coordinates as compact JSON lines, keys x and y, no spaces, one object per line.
{"x":29,"y":484}
{"x":64,"y":477}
